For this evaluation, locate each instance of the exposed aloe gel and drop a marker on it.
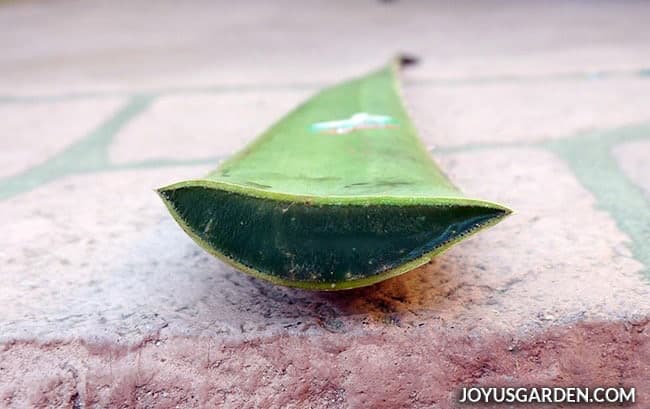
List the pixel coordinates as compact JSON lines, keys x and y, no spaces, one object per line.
{"x":338,"y":194}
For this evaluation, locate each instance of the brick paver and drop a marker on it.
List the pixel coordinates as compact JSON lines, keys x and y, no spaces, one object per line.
{"x":214,"y":125}
{"x":104,"y":259}
{"x":527,"y":111}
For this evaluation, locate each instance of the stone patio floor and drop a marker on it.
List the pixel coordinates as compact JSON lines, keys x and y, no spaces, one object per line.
{"x":105,"y":302}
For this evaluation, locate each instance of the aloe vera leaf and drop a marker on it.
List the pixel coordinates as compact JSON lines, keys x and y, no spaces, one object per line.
{"x":339,"y":194}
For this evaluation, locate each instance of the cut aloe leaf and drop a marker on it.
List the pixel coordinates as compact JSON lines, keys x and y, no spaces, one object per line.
{"x":338,"y":194}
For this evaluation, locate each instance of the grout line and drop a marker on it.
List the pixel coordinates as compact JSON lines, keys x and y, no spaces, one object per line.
{"x":89,"y":154}
{"x":591,"y":159}
{"x":207,"y":90}
{"x":158,"y":163}
{"x":313,"y":86}
{"x":595,"y":75}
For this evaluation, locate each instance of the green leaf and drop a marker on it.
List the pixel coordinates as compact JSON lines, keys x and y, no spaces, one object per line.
{"x":338,"y":194}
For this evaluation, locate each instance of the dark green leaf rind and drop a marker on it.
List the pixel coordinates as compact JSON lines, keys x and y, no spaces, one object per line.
{"x":346,"y":243}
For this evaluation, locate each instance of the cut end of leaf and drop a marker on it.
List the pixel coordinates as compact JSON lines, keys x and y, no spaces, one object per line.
{"x":301,"y":242}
